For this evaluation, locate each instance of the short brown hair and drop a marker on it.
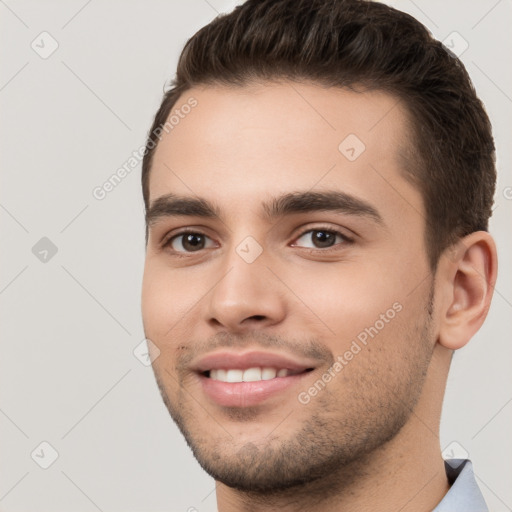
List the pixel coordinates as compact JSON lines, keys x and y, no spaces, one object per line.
{"x":352,"y":44}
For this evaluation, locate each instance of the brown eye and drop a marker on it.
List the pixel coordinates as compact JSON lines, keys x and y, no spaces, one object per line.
{"x":189,"y":242}
{"x":320,"y":239}
{"x":323,"y":238}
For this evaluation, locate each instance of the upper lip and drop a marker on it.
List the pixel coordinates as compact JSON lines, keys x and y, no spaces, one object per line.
{"x":225,"y":359}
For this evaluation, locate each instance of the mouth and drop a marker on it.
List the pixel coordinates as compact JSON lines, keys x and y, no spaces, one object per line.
{"x":255,"y":374}
{"x":247,"y":379}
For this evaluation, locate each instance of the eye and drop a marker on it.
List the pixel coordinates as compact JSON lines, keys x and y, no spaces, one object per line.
{"x":321,"y":239}
{"x":189,"y":242}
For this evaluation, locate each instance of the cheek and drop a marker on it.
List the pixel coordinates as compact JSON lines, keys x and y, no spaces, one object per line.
{"x":164,"y":305}
{"x":167,"y":298}
{"x":347,"y":297}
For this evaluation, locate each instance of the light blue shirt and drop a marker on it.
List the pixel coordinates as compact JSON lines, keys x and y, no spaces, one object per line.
{"x":464,"y":494}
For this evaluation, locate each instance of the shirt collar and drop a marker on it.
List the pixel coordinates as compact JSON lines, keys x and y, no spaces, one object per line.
{"x":464,"y":494}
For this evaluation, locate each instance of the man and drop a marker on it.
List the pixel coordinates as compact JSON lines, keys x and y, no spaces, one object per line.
{"x":318,"y":183}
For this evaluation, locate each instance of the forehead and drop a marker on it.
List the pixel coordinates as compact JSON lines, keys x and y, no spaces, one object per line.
{"x":238,"y":145}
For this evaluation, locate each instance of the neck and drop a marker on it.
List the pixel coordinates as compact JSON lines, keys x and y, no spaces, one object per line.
{"x":406,"y":473}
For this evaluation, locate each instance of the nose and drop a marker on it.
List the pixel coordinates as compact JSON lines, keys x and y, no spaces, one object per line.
{"x":248,"y":296}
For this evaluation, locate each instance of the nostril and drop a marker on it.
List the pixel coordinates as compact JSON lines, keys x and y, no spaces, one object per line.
{"x":257,"y":317}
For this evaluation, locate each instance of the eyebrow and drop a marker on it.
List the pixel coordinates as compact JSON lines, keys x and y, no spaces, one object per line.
{"x":172,"y":205}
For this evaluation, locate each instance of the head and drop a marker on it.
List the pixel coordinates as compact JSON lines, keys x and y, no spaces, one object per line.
{"x":325,"y":159}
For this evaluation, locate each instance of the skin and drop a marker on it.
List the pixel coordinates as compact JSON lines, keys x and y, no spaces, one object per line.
{"x":370,"y":439}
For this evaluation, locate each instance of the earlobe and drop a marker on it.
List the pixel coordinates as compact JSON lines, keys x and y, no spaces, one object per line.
{"x":470,"y":269}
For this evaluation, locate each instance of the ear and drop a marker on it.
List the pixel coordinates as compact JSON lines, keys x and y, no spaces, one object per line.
{"x":466,"y":277}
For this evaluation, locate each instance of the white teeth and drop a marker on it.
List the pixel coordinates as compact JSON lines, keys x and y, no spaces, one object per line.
{"x":250,"y":375}
{"x":268,"y":373}
{"x":234,"y":376}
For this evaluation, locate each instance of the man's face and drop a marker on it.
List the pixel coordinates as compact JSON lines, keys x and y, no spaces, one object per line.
{"x":274,"y":284}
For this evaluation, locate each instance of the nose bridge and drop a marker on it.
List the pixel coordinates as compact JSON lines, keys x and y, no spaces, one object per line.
{"x":246,"y":290}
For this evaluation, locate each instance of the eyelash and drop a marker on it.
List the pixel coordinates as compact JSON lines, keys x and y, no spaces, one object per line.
{"x":346,"y":240}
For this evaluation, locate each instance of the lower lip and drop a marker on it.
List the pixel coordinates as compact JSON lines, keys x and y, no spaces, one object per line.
{"x":246,"y":394}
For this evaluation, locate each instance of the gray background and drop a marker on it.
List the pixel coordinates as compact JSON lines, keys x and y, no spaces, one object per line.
{"x":71,"y":321}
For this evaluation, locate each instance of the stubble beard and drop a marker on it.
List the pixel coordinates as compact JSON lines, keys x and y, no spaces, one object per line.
{"x":328,"y":450}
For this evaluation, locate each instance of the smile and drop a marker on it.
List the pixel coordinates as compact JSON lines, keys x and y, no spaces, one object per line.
{"x":250,"y":375}
{"x":234,"y":379}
